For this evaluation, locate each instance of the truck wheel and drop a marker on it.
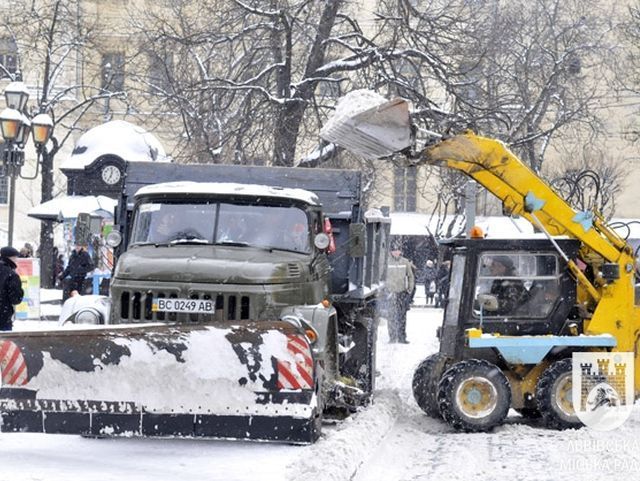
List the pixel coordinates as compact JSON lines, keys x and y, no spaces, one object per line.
{"x":555,"y":398}
{"x":474,"y":395}
{"x":361,"y":365}
{"x":425,"y":383}
{"x":371,"y":357}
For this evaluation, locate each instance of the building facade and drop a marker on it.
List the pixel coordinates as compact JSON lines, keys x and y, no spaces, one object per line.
{"x":106,"y":62}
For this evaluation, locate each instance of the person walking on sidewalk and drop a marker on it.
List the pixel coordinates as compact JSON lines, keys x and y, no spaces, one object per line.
{"x":80,"y":264}
{"x":430,"y":282}
{"x":11,"y":292}
{"x":400,"y":288}
{"x":442,"y":283}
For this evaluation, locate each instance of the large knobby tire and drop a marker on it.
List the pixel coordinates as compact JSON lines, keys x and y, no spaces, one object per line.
{"x":474,"y":396}
{"x":554,"y":396}
{"x":425,"y":383}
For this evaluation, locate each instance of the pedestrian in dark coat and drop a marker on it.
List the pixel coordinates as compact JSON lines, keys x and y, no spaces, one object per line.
{"x":442,"y":284}
{"x":11,"y":292}
{"x":430,"y":281}
{"x":80,"y":264}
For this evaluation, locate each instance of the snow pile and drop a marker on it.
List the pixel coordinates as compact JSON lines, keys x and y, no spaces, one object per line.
{"x":116,"y":138}
{"x":229,"y":188}
{"x":68,"y":207}
{"x":367,"y":124}
{"x":366,"y":447}
{"x":205,"y":383}
{"x":338,"y":456}
{"x":344,"y":450}
{"x":352,"y":104}
{"x":494,"y":227}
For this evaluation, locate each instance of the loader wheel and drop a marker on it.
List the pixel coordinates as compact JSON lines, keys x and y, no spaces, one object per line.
{"x":474,"y":395}
{"x":554,"y":396}
{"x":425,"y":383}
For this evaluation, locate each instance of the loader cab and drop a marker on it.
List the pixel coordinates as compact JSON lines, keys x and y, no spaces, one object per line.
{"x":508,"y":287}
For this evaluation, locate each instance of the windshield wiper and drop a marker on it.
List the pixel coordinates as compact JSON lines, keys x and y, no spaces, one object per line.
{"x":285,"y":249}
{"x":189,"y":241}
{"x":234,"y":243}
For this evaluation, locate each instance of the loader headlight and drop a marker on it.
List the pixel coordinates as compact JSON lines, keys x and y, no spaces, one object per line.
{"x":88,"y":316}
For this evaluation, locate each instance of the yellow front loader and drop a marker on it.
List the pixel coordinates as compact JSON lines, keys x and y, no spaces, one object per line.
{"x":574,"y":282}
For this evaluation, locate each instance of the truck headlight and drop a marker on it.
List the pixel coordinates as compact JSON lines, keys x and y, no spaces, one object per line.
{"x":88,"y":316}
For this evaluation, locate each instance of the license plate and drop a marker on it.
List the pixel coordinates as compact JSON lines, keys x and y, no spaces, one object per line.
{"x":198,"y":306}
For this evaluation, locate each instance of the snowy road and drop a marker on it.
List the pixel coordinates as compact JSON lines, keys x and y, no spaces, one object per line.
{"x":391,"y":441}
{"x":418,"y":448}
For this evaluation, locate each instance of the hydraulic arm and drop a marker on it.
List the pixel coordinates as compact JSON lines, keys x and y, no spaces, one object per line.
{"x":606,"y":273}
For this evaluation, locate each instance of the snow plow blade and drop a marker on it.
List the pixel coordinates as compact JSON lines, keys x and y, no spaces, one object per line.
{"x":368,"y":125}
{"x":254,"y":381}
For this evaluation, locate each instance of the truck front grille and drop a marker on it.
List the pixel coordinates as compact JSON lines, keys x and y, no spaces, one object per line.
{"x":135,"y":306}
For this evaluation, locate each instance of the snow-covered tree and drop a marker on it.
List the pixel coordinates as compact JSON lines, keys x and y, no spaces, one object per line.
{"x":254,"y":80}
{"x":51,"y":38}
{"x":538,"y":72}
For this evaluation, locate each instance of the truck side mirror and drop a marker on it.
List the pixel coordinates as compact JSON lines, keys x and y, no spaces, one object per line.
{"x":357,"y":234}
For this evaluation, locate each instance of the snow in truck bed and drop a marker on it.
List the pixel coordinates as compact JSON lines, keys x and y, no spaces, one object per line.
{"x":229,"y":188}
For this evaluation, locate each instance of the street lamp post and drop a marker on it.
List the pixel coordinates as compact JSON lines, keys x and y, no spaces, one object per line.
{"x":15,"y":127}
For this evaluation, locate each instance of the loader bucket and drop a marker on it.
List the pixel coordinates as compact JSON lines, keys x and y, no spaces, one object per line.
{"x":256,"y":381}
{"x":368,"y":125}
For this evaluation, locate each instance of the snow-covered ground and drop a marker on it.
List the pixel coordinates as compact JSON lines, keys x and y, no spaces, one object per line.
{"x":391,"y":440}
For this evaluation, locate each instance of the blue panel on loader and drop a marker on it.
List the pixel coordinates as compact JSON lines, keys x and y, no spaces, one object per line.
{"x":533,"y":349}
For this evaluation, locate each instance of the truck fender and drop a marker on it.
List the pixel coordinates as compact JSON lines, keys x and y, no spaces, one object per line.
{"x":320,"y":318}
{"x":90,"y":309}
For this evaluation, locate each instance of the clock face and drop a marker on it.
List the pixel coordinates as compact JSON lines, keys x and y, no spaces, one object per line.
{"x":111,"y":174}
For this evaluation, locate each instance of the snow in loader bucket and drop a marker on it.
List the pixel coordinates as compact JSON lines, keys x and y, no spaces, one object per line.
{"x":369,"y":125}
{"x":252,"y":381}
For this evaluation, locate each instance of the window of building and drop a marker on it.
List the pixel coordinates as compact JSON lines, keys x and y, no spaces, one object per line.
{"x":113,"y":71}
{"x":161,"y":68}
{"x":4,"y":187}
{"x":8,"y":57}
{"x":404,"y":188}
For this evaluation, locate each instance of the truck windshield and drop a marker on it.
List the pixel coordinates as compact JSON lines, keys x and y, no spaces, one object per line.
{"x":274,"y":227}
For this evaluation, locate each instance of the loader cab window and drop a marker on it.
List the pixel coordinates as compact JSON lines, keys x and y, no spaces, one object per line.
{"x":452,"y":306}
{"x":523,"y":285}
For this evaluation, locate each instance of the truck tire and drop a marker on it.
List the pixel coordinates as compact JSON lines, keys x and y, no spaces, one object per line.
{"x":474,"y":396}
{"x":361,"y":365}
{"x":554,"y":397}
{"x":425,"y":383}
{"x":372,"y":344}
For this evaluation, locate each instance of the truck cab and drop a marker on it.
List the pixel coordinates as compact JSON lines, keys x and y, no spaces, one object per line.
{"x":249,"y":251}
